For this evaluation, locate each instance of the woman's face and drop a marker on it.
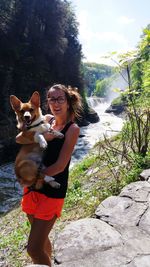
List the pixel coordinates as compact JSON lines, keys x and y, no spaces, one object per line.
{"x":57,"y":102}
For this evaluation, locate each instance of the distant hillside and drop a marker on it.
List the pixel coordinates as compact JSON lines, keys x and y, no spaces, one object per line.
{"x":93,"y":72}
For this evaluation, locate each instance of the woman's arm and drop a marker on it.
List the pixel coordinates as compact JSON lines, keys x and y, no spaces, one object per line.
{"x":71,"y":137}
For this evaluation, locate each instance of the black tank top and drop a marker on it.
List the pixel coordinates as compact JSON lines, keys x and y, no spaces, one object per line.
{"x":50,"y":156}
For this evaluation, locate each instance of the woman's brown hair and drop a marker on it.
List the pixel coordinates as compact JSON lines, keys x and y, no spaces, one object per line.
{"x":73,"y":98}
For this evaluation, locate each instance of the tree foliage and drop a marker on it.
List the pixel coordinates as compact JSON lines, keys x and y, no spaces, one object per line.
{"x":140,"y":67}
{"x":137,"y":64}
{"x":39,"y":46}
{"x":102,"y":87}
{"x":129,"y":153}
{"x":137,"y":96}
{"x":93,"y":73}
{"x":134,"y":67}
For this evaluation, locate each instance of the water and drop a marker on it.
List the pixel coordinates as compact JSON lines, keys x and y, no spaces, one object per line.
{"x":109,"y":124}
{"x":10,"y":191}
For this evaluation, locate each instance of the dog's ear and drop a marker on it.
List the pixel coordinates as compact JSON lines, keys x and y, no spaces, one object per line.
{"x":35,"y":99}
{"x":15,"y":103}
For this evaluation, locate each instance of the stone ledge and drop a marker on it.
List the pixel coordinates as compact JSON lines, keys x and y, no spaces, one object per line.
{"x":118,"y":237}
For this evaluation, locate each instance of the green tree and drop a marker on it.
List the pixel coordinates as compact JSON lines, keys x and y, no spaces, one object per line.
{"x":94,"y":72}
{"x":140,"y":69}
{"x":70,"y":69}
{"x":39,"y":47}
{"x":101,"y":89}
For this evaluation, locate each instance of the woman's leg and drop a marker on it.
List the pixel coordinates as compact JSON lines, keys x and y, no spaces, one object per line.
{"x":48,"y":246}
{"x":39,"y":246}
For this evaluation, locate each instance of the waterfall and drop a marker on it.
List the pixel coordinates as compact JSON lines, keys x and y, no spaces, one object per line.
{"x":109,"y":125}
{"x":94,"y":101}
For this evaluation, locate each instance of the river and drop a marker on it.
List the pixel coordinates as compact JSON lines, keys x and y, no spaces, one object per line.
{"x":109,"y":124}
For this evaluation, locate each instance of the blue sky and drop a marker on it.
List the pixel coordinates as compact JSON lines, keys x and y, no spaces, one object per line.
{"x":110,"y":25}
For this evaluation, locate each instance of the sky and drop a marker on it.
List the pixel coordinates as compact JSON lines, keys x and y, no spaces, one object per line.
{"x":110,"y":25}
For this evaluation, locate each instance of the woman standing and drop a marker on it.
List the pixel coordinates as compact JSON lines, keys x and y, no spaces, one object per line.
{"x":44,"y":206}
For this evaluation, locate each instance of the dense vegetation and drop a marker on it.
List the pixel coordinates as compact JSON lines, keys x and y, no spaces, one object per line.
{"x":134,"y":68}
{"x":102,"y":86}
{"x":39,"y":46}
{"x":94,"y":72}
{"x":140,"y":69}
{"x":137,"y":66}
{"x":132,"y":154}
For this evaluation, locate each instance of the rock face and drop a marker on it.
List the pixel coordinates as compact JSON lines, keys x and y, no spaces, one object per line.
{"x":116,"y":109}
{"x":145,"y":175}
{"x":36,"y":265}
{"x":91,"y":116}
{"x":119,"y":236}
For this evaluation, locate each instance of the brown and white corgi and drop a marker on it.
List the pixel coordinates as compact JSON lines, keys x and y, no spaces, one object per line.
{"x":32,"y":124}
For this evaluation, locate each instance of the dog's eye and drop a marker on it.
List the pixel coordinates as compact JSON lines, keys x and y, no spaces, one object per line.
{"x":22,"y":111}
{"x":31,"y":109}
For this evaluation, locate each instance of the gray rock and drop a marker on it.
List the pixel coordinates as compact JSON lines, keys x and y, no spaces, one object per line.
{"x":119,"y":237}
{"x":145,"y":174}
{"x":84,"y":237}
{"x":36,"y":265}
{"x":135,"y":240}
{"x":119,"y":211}
{"x":145,"y":220}
{"x":138,"y":191}
{"x":140,"y":261}
{"x":113,"y":257}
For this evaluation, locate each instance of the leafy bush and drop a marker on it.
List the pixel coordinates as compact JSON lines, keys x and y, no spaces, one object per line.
{"x":118,"y":101}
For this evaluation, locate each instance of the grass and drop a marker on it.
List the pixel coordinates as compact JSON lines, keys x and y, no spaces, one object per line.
{"x":13,"y":236}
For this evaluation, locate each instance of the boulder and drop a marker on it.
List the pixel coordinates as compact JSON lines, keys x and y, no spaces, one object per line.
{"x":85,"y":237}
{"x":119,"y":236}
{"x":145,"y":175}
{"x":36,"y":265}
{"x":116,"y":109}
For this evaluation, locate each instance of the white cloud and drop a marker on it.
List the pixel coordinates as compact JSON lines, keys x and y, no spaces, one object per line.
{"x":86,"y":34}
{"x":102,"y":58}
{"x":94,"y":40}
{"x":98,"y":58}
{"x":107,"y":58}
{"x":125,"y":20}
{"x":110,"y":36}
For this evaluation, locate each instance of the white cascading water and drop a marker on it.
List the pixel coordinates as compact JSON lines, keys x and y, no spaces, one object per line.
{"x":109,"y":124}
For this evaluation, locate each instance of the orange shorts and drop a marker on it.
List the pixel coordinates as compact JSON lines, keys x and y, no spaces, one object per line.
{"x":41,"y":206}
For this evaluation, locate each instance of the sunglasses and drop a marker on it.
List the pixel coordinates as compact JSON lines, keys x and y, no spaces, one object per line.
{"x":59,"y":100}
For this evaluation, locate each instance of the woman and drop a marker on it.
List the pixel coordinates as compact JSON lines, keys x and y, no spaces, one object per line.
{"x":44,"y":206}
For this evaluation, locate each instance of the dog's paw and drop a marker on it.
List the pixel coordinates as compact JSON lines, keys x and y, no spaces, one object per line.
{"x":43,"y":144}
{"x":54,"y":184}
{"x":39,"y":138}
{"x":48,"y":179}
{"x":51,"y":181}
{"x":60,"y":135}
{"x":56,"y":133}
